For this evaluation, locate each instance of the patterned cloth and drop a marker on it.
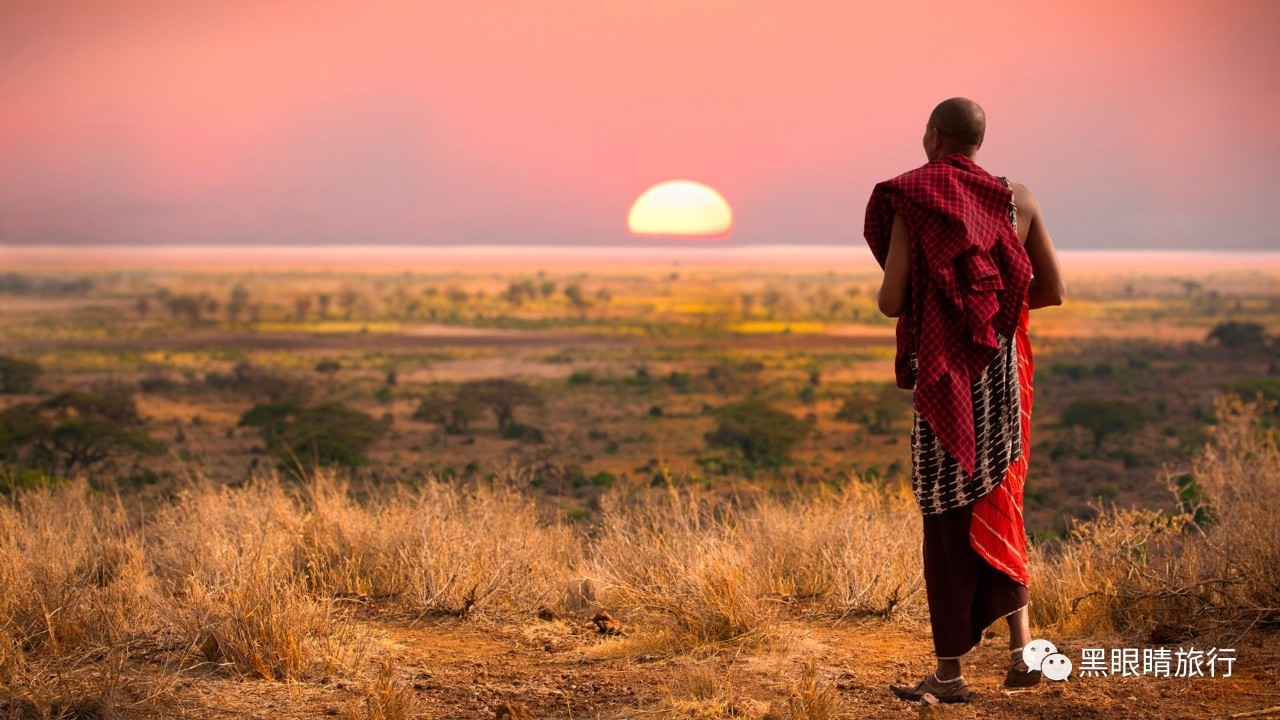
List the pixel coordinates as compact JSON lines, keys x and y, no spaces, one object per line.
{"x":940,"y":484}
{"x":969,"y":277}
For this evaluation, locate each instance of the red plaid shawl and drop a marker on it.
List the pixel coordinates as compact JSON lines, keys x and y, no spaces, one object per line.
{"x":969,"y":277}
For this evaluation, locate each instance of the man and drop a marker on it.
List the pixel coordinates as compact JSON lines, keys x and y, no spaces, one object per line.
{"x":966,"y":255}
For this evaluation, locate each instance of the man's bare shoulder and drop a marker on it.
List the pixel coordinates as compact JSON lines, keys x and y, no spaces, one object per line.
{"x":1026,"y":200}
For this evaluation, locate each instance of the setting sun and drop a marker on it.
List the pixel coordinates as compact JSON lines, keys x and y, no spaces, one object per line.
{"x":680,"y":207}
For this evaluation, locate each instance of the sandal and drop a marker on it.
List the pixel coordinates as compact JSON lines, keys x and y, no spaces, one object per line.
{"x":946,"y":691}
{"x":1019,"y":675}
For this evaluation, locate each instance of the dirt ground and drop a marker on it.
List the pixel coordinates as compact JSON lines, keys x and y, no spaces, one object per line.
{"x":563,"y":668}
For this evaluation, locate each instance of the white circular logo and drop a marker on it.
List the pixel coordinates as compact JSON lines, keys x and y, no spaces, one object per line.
{"x":1056,"y":666}
{"x":1036,"y":651}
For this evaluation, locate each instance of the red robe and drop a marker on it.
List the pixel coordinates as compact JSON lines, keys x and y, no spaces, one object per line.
{"x":970,"y":277}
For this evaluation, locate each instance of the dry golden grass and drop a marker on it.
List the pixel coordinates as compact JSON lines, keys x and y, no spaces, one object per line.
{"x":261,"y":581}
{"x":75,"y":595}
{"x":385,"y":698}
{"x":1214,"y":565}
{"x":438,"y":548}
{"x":810,"y":698}
{"x":706,"y":572}
{"x":706,"y":692}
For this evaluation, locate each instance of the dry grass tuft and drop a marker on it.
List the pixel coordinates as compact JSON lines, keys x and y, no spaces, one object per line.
{"x":674,"y":560}
{"x":706,"y":693}
{"x":707,"y":573}
{"x":436,"y":549}
{"x":809,"y":698}
{"x":385,"y":698}
{"x":73,"y":573}
{"x":849,"y":551}
{"x":228,"y":556}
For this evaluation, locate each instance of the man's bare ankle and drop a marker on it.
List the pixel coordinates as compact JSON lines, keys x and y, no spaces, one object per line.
{"x":947,"y":672}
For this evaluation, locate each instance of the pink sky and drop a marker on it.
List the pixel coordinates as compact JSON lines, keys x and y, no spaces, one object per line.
{"x":1139,"y":124}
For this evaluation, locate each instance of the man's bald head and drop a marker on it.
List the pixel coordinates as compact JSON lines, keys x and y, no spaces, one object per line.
{"x":960,"y":122}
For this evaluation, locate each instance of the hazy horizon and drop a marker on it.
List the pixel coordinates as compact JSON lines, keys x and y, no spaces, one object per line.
{"x":416,"y":258}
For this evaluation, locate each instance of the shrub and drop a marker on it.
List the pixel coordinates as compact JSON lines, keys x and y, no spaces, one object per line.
{"x":1257,"y":388}
{"x":1072,"y":371}
{"x":1238,"y":335}
{"x":681,"y":382}
{"x":876,"y":409}
{"x":1104,"y":417}
{"x":328,"y":366}
{"x":16,"y":375}
{"x":581,"y":377}
{"x":523,"y":433}
{"x":260,"y":384}
{"x":303,"y":438}
{"x":763,"y":434}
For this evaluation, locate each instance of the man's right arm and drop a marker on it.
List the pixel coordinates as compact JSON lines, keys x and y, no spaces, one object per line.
{"x":1047,"y":285}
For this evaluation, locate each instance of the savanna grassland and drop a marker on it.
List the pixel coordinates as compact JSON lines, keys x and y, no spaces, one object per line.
{"x":616,"y":492}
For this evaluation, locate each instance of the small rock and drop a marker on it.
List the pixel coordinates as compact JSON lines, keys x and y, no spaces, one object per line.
{"x":846,"y":680}
{"x":930,"y":709}
{"x":606,"y":624}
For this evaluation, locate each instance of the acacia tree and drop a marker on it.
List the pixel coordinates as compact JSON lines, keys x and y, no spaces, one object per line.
{"x":500,"y":395}
{"x":73,"y":432}
{"x":577,"y":298}
{"x":190,"y":307}
{"x":453,"y":414}
{"x":305,"y":437}
{"x":237,"y":303}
